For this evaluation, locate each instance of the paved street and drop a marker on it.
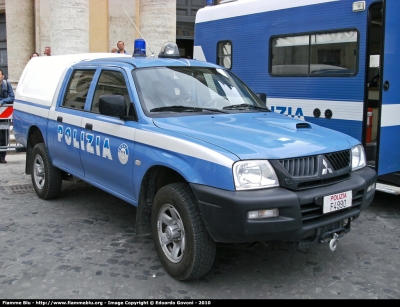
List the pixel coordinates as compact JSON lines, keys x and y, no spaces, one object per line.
{"x":81,"y":246}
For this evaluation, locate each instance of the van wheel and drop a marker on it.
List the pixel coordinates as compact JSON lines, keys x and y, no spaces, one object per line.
{"x":183,"y":244}
{"x":46,"y":178}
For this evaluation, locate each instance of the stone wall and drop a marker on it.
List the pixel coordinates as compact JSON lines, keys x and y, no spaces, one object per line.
{"x":20,"y":36}
{"x":69,"y":26}
{"x":121,"y":28}
{"x":157,"y":23}
{"x":79,"y":26}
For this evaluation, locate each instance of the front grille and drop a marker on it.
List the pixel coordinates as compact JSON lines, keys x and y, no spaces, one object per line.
{"x":340,"y":159}
{"x":301,"y":167}
{"x":313,"y":171}
{"x":313,"y":213}
{"x":308,"y":166}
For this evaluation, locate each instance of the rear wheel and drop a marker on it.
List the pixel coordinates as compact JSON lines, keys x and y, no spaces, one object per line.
{"x":46,"y":178}
{"x":183,"y":244}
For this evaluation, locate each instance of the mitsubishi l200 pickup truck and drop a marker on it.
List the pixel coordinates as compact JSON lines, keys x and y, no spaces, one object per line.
{"x":193,"y":148}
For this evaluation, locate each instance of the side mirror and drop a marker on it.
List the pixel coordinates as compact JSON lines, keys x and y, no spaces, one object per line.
{"x":263,"y":97}
{"x":112,"y":105}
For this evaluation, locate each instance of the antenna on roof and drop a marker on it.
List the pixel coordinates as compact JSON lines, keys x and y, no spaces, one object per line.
{"x":152,"y":53}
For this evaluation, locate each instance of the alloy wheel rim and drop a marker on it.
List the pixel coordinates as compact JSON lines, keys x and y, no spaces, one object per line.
{"x":39,"y":172}
{"x":171,"y":233}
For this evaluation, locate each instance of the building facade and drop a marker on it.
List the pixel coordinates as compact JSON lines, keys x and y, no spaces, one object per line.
{"x":81,"y":26}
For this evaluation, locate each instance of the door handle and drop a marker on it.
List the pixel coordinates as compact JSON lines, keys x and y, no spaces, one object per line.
{"x":89,"y":126}
{"x":386,"y":86}
{"x":59,"y":119}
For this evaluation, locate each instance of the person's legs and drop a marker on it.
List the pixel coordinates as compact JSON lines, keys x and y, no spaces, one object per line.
{"x":3,"y":142}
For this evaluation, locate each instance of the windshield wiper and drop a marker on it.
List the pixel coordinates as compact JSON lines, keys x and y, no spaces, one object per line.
{"x":184,"y":109}
{"x":213,"y":110}
{"x":244,"y":106}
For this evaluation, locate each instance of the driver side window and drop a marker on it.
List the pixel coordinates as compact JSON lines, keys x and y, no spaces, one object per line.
{"x":110,"y":82}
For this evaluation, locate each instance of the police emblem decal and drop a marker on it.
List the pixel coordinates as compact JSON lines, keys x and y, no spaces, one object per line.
{"x":123,"y":153}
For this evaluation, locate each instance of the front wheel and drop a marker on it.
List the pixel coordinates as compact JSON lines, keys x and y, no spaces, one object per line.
{"x":183,"y":244}
{"x":46,"y":178}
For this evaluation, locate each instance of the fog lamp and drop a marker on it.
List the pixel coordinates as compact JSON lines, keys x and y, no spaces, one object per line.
{"x":262,"y":214}
{"x":371,"y":187}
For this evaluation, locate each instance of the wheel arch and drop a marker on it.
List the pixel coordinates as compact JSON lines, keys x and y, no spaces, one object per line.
{"x":155,"y":178}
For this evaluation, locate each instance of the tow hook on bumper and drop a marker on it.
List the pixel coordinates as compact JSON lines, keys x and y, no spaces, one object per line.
{"x":333,"y":236}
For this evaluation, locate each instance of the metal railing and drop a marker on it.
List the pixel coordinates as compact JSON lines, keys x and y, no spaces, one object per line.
{"x":6,"y":125}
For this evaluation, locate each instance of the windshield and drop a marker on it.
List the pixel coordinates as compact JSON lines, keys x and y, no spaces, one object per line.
{"x":193,"y":89}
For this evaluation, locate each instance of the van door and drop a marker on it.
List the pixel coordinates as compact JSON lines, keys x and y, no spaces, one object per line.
{"x":389,"y":142}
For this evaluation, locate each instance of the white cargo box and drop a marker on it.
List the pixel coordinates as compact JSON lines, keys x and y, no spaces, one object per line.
{"x":43,"y":76}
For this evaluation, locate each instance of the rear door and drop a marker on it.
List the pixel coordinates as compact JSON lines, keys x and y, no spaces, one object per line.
{"x":389,"y":141}
{"x":65,"y":123}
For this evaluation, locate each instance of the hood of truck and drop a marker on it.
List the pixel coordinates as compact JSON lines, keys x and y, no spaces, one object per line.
{"x":263,"y":135}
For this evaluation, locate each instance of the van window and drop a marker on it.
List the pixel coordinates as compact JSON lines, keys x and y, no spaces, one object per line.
{"x":315,"y":54}
{"x":224,"y":54}
{"x":78,"y":87}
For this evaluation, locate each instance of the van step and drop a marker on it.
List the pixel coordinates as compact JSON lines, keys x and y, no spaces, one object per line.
{"x":387,"y":188}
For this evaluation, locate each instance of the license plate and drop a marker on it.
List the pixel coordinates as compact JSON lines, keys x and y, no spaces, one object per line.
{"x":337,"y":201}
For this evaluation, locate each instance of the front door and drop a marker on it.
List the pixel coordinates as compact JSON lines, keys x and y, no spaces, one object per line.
{"x":108,"y":150}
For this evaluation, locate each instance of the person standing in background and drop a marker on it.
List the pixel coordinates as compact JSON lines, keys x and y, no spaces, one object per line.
{"x":35,"y":54}
{"x":6,"y":97}
{"x":47,"y":51}
{"x":121,"y":48}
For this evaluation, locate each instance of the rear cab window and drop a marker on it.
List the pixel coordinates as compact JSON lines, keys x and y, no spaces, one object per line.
{"x":78,"y":89}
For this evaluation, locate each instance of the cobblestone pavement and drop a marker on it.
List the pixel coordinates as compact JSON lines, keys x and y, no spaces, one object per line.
{"x":81,"y":246}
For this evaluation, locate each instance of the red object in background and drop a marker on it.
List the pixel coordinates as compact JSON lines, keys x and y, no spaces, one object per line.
{"x":6,"y":112}
{"x":369,"y":125}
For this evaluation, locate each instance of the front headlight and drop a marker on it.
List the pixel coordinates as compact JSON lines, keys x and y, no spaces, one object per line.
{"x":357,"y":157}
{"x":254,"y":174}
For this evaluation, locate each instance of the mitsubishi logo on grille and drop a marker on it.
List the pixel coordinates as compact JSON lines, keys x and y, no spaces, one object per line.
{"x":326,"y":169}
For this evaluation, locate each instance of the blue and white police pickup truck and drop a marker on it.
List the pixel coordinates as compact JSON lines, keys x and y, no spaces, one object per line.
{"x":193,"y":148}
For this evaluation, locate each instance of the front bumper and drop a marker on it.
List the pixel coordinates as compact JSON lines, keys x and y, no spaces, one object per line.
{"x":300,"y":212}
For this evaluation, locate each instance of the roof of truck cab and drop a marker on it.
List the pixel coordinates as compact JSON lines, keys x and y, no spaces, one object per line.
{"x":43,"y":76}
{"x":140,"y":62}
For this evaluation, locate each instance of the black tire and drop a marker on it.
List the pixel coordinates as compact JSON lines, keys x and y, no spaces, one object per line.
{"x":46,"y":178}
{"x":183,"y":244}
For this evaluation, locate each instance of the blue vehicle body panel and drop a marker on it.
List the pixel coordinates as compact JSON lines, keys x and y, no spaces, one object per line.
{"x":141,"y":62}
{"x":193,"y":169}
{"x":259,"y":135}
{"x":65,"y":150}
{"x":22,"y":122}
